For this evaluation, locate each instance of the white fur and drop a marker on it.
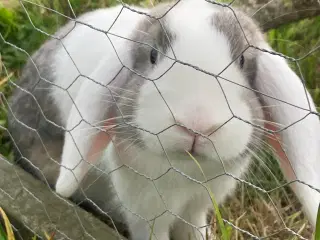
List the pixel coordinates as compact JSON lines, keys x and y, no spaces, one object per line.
{"x":300,"y":141}
{"x":87,"y":50}
{"x":196,"y":100}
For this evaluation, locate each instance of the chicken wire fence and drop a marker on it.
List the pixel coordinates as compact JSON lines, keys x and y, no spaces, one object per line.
{"x":255,"y":192}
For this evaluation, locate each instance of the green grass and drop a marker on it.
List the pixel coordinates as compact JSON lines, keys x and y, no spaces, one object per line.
{"x":225,"y":230}
{"x":250,"y":210}
{"x":3,"y":235}
{"x":317,"y":230}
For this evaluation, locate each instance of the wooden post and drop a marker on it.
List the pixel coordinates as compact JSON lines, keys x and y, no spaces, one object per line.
{"x":33,"y":208}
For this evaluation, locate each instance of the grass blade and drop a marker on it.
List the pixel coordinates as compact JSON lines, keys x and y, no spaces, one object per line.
{"x":150,"y":237}
{"x":3,"y":235}
{"x":49,"y":237}
{"x":317,"y":231}
{"x":224,"y":231}
{"x":10,"y":235}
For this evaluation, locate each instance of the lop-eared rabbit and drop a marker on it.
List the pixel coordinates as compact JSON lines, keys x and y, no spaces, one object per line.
{"x":134,"y":91}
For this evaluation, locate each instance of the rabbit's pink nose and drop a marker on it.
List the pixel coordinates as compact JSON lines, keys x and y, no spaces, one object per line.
{"x":194,"y":136}
{"x":196,"y":119}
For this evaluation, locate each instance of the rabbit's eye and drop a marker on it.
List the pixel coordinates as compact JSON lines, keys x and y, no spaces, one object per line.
{"x":241,"y":61}
{"x":153,"y":56}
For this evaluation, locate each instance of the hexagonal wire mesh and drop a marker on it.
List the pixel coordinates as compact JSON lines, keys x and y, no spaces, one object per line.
{"x":259,"y":202}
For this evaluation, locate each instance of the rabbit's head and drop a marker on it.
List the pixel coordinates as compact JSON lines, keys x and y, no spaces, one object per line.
{"x":192,"y":86}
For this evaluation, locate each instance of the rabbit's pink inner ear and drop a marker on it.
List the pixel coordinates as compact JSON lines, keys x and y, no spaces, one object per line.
{"x":101,"y":141}
{"x":275,"y":142}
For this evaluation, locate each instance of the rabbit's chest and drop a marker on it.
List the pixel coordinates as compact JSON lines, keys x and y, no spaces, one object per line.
{"x":151,"y":186}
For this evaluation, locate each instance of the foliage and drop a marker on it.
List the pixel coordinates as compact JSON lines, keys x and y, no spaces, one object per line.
{"x":317,"y":231}
{"x":298,"y":40}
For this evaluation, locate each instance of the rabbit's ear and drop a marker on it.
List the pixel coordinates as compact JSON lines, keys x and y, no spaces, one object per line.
{"x":298,"y":145}
{"x":95,"y":103}
{"x":86,"y":137}
{"x":89,"y":127}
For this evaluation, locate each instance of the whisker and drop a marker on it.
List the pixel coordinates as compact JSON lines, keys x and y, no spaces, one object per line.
{"x":265,"y":133}
{"x":257,"y":157}
{"x":112,"y":118}
{"x":147,"y":19}
{"x":277,"y":181}
{"x":122,"y":89}
{"x":270,"y":148}
{"x":251,"y":99}
{"x":119,"y":91}
{"x":269,"y":106}
{"x":132,"y":143}
{"x":145,"y":33}
{"x":119,"y":104}
{"x":264,"y":143}
{"x":267,"y":121}
{"x":116,"y":95}
{"x":263,"y":6}
{"x":49,"y":88}
{"x":110,"y":127}
{"x":126,"y":139}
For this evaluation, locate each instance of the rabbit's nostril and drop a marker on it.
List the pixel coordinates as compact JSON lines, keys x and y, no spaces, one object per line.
{"x":186,"y":130}
{"x":197,"y":129}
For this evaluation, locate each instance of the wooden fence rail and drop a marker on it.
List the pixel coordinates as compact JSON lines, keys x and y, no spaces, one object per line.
{"x":33,"y":208}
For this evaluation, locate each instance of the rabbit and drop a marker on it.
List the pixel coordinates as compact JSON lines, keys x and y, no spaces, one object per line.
{"x":169,"y":101}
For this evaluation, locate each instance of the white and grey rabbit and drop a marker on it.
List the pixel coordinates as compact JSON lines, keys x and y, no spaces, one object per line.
{"x":183,"y":76}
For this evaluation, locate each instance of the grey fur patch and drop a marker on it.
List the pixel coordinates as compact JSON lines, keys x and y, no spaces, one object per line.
{"x":151,"y":33}
{"x":41,"y":139}
{"x":241,"y":31}
{"x":32,"y":144}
